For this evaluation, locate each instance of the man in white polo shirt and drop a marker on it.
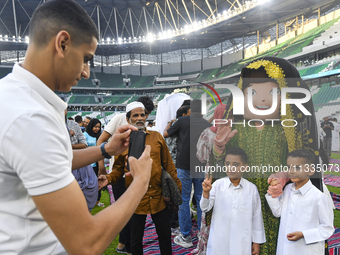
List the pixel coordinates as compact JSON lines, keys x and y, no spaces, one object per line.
{"x":42,"y":209}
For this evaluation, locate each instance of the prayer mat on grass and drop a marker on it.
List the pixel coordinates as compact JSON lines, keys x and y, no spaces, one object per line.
{"x":332,"y":180}
{"x":334,"y":243}
{"x":336,"y":200}
{"x":150,"y":240}
{"x":334,"y":165}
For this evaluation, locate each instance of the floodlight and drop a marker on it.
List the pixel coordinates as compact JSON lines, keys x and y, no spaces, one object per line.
{"x":151,"y":37}
{"x":262,"y":1}
{"x":170,"y":33}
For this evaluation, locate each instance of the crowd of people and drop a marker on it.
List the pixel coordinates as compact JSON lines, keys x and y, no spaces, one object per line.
{"x":52,"y":169}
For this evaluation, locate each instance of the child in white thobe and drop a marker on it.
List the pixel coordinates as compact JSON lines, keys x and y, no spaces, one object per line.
{"x":306,"y":213}
{"x":236,"y":223}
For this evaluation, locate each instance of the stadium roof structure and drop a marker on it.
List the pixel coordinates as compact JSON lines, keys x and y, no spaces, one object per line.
{"x":153,"y":27}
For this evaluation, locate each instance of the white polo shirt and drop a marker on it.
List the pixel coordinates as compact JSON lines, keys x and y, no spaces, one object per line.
{"x":35,"y":159}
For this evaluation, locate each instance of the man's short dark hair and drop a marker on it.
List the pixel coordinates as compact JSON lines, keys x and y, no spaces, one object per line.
{"x":181,"y":110}
{"x":78,"y":119}
{"x":303,"y":153}
{"x":89,"y":118}
{"x":147,"y":102}
{"x":70,"y":118}
{"x":238,"y":152}
{"x":56,"y":15}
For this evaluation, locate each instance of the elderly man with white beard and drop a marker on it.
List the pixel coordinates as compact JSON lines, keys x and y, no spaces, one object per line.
{"x":152,"y":202}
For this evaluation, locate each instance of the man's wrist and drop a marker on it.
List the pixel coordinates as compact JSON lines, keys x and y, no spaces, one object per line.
{"x":104,"y":151}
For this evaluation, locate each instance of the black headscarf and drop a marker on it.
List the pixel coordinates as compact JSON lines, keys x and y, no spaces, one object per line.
{"x":92,"y":124}
{"x":304,"y":135}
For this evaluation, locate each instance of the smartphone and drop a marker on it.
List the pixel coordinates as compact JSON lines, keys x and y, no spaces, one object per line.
{"x":136,"y":145}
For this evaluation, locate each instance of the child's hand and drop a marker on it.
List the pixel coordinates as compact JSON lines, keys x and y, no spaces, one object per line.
{"x":255,"y":249}
{"x":274,"y":181}
{"x":295,"y":236}
{"x":206,"y":185}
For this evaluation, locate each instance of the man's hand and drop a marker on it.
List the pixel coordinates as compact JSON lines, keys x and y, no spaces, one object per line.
{"x":102,"y":181}
{"x":72,"y":133}
{"x":255,"y":249}
{"x":101,"y":169}
{"x":206,"y":185}
{"x":141,"y":168}
{"x":295,"y":236}
{"x":120,"y":140}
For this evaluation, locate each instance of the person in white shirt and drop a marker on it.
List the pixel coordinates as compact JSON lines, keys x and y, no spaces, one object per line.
{"x":306,"y":213}
{"x":42,"y":208}
{"x":236,"y":223}
{"x":335,"y":135}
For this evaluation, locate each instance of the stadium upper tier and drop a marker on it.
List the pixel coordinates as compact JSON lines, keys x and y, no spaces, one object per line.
{"x":287,"y":48}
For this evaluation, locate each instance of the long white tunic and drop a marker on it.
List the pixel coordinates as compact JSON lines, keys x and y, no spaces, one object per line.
{"x":308,"y":210}
{"x":335,"y":136}
{"x":236,"y":219}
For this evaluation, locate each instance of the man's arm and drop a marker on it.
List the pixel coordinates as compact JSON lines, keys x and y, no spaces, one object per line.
{"x":168,"y":125}
{"x":104,"y":137}
{"x":79,"y":136}
{"x":65,"y":211}
{"x":118,"y":144}
{"x":168,"y":164}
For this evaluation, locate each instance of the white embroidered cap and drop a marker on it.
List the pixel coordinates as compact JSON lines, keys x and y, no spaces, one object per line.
{"x":134,"y":105}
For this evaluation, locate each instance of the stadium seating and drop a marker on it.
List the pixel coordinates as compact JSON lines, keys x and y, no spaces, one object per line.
{"x":305,"y":39}
{"x":326,"y":94}
{"x":312,"y":70}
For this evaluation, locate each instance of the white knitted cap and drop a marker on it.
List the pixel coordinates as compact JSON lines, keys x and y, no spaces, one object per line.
{"x":134,"y":105}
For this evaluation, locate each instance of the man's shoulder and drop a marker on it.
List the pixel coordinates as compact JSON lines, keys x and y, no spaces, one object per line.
{"x":155,"y":134}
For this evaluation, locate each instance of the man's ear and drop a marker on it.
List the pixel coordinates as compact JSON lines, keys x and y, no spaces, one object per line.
{"x":62,"y":42}
{"x":128,"y":120}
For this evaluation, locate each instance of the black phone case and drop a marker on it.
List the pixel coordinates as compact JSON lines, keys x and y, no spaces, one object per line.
{"x":136,"y":145}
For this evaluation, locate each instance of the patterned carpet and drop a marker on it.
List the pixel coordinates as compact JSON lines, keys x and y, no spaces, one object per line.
{"x":332,"y":180}
{"x":150,"y":239}
{"x":334,"y":242}
{"x":336,"y":200}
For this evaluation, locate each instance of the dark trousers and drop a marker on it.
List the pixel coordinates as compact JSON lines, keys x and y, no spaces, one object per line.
{"x":327,"y":144}
{"x":124,"y":235}
{"x":95,"y":169}
{"x":162,"y":224}
{"x":174,"y":217}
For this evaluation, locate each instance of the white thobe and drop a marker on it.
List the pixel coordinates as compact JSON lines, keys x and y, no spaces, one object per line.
{"x":308,"y":210}
{"x":237,"y":218}
{"x":167,"y":109}
{"x":335,"y":136}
